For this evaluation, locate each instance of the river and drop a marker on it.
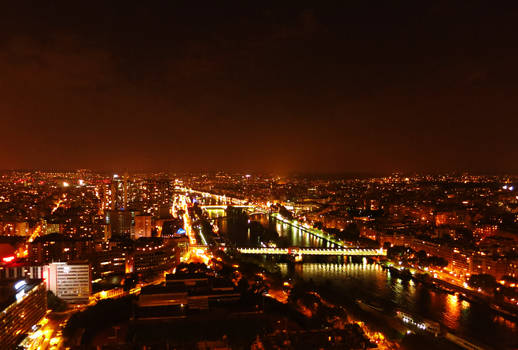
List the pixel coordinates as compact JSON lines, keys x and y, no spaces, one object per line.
{"x":369,"y":281}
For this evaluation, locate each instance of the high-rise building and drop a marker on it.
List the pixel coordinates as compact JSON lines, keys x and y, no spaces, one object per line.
{"x":57,"y":247}
{"x":143,"y":226}
{"x":153,"y":254}
{"x":14,"y":228}
{"x":122,"y":222}
{"x":69,"y":281}
{"x":52,"y":227}
{"x":23,"y":303}
{"x":108,"y":262}
{"x":119,"y":192}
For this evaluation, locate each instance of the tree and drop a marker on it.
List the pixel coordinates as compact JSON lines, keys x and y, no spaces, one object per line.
{"x":421,"y":257}
{"x":55,"y":303}
{"x":396,"y":251}
{"x":438,"y":261}
{"x":129,"y":282}
{"x":483,"y":281}
{"x":351,"y":231}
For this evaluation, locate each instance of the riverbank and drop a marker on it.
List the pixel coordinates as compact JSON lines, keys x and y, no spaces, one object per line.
{"x":377,"y":319}
{"x":359,"y":280}
{"x":502,"y":309}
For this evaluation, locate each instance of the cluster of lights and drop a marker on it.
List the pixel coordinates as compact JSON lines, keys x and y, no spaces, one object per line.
{"x":19,"y":288}
{"x":8,"y":259}
{"x":418,"y":325}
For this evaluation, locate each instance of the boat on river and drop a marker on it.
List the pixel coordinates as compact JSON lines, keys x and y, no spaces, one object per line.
{"x":369,"y":306}
{"x":463,"y":343}
{"x":420,"y":324}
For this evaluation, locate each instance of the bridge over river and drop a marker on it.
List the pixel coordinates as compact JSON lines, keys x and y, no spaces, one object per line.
{"x":250,"y":209}
{"x":314,"y":251}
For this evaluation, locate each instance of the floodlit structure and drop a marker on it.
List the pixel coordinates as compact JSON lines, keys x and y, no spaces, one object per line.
{"x":69,"y":281}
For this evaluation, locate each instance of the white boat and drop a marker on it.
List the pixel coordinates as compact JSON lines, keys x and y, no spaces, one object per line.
{"x":423,"y":325}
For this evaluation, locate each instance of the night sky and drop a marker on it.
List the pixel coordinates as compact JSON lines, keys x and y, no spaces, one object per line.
{"x":346,"y":86}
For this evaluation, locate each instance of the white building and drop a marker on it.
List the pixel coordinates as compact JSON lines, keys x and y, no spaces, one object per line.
{"x":71,"y":282}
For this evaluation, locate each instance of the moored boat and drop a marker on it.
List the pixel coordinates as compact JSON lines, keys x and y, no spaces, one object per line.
{"x":368,"y":306}
{"x":421,"y":324}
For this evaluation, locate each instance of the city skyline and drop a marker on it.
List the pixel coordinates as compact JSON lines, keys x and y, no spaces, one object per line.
{"x":318,"y":88}
{"x":413,"y":261}
{"x":258,"y":175}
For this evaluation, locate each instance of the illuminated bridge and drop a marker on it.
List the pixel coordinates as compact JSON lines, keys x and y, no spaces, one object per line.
{"x":223,"y":207}
{"x":251,"y":209}
{"x":315,"y":251}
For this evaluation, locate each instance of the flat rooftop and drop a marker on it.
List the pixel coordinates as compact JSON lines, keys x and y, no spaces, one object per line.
{"x":10,"y":289}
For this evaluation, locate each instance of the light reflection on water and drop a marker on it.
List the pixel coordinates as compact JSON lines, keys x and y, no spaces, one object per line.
{"x":356,"y":280}
{"x":371,"y":282}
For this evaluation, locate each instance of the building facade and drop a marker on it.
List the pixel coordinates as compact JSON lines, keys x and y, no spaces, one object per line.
{"x":143,"y":226}
{"x":71,"y":282}
{"x":22,"y":305}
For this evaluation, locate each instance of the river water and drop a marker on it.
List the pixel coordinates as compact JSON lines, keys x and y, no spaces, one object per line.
{"x":355,"y":280}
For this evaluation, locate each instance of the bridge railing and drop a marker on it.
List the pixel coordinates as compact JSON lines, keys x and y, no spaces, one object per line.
{"x":315,"y":251}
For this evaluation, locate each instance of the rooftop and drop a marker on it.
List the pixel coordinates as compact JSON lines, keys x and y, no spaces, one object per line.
{"x":14,"y":290}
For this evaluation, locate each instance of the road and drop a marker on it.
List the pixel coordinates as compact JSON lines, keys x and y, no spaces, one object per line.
{"x":187,"y":221}
{"x":48,"y":332}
